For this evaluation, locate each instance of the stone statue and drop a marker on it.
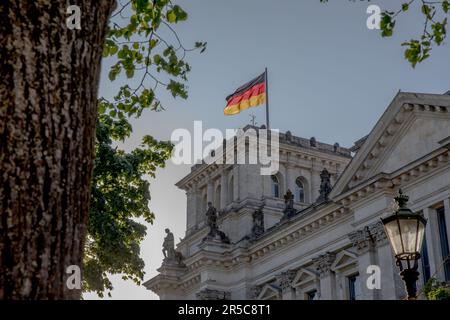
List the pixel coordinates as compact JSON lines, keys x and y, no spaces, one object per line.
{"x":169,"y":252}
{"x":147,"y":191}
{"x":289,"y":210}
{"x":258,"y":223}
{"x":169,"y":246}
{"x":325,"y":186}
{"x":211,"y":221}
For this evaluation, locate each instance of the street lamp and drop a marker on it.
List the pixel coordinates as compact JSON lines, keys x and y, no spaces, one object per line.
{"x":405,"y":230}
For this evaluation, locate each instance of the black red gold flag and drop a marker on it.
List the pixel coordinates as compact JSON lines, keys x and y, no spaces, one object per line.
{"x":251,"y":94}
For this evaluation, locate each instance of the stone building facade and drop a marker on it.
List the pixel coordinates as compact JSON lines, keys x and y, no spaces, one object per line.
{"x":290,"y":237}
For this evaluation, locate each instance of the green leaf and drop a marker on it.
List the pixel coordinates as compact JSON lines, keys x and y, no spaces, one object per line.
{"x":130,"y":72}
{"x":171,"y":16}
{"x":112,"y":75}
{"x":445,"y":6}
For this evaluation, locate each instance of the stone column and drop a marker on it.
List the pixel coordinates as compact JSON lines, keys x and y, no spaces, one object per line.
{"x":284,"y":280}
{"x":447,"y":217}
{"x":315,"y":181}
{"x":433,"y":241}
{"x":223,"y":189}
{"x":327,"y":277}
{"x":210,"y":191}
{"x":236,"y":182}
{"x":199,"y":210}
{"x":364,"y":242}
{"x":392,"y":286}
{"x":290,"y":179}
{"x":190,"y":209}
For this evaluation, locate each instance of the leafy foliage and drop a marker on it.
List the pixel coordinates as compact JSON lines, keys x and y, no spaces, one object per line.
{"x":120,"y":194}
{"x":435,"y":291}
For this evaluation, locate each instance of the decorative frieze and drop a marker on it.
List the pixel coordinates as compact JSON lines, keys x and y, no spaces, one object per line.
{"x":368,"y":237}
{"x":210,"y":294}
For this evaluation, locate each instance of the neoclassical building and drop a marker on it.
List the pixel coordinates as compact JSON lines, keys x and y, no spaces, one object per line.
{"x":312,"y":230}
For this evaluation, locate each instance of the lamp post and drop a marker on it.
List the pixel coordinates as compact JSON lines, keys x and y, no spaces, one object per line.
{"x":405,"y":230}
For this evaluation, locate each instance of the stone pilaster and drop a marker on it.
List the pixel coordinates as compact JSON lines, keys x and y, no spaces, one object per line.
{"x":433,"y":244}
{"x":210,"y":191}
{"x":447,"y":216}
{"x":223,"y":189}
{"x":284,"y":280}
{"x":327,"y":277}
{"x":191,"y":212}
{"x":290,"y":179}
{"x":369,"y":242}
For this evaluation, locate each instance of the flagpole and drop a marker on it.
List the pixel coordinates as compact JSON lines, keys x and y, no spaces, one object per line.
{"x":267,"y":100}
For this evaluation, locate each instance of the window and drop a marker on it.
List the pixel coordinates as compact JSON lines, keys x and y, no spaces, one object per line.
{"x":275,"y":187}
{"x":444,"y":241}
{"x":311,"y":295}
{"x":353,"y":287}
{"x":299,"y":190}
{"x":425,"y":261}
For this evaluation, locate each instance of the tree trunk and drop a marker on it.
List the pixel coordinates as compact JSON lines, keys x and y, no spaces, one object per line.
{"x":49,"y":77}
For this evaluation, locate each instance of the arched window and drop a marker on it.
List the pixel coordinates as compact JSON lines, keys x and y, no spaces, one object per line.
{"x":299,"y":190}
{"x":231,"y":191}
{"x":217,"y":197}
{"x":275,"y":187}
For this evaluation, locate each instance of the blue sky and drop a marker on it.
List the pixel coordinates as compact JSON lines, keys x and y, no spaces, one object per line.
{"x":329,"y":77}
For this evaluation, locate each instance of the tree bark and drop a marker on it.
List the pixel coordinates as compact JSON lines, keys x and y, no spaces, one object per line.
{"x":48,"y":104}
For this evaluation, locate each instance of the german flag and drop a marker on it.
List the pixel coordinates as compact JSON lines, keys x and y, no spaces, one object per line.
{"x":251,"y":94}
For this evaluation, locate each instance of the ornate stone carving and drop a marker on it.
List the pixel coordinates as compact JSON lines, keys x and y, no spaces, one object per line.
{"x":361,"y":239}
{"x":323,"y":262}
{"x":258,"y":223}
{"x":255,"y":291}
{"x":289,"y":210}
{"x":210,"y":294}
{"x":377,"y":231}
{"x":368,"y":237}
{"x":214,"y":232}
{"x":284,"y":279}
{"x":325,"y":186}
{"x":169,"y":252}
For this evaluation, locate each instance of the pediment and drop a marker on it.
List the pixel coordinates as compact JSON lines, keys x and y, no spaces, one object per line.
{"x":303,"y":277}
{"x":269,"y":292}
{"x":344,"y":259}
{"x":419,"y":137}
{"x":410,"y":128}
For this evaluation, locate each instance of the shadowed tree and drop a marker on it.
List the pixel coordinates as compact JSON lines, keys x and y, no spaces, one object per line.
{"x":56,"y":209}
{"x":48,"y":106}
